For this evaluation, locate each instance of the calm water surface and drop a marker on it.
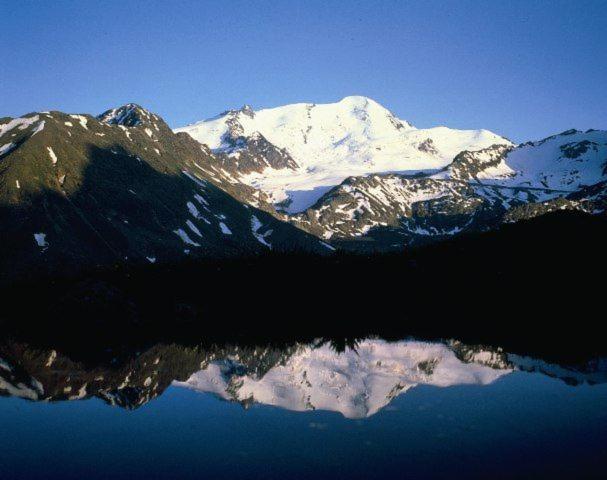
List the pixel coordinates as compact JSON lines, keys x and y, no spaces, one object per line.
{"x":398,"y":410}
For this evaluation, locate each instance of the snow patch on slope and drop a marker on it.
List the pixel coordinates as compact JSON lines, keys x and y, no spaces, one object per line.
{"x":224,"y":229}
{"x":40,"y":239}
{"x":82,"y":120}
{"x":562,"y":162}
{"x":52,"y":155}
{"x":256,"y":225}
{"x":185,"y":237}
{"x":4,"y":149}
{"x":21,"y":123}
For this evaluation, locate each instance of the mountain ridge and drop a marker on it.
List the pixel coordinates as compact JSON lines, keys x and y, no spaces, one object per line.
{"x":357,"y":381}
{"x":76,"y":192}
{"x":477,"y":190}
{"x":330,"y":142}
{"x":123,"y":185}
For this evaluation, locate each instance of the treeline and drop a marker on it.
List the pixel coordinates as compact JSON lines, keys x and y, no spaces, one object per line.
{"x":534,"y":284}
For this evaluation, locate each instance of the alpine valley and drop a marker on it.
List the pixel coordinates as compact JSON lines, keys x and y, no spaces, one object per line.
{"x":79,"y":191}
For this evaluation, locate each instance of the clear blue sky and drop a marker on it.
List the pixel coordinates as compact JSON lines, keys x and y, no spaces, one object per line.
{"x":525,"y":69}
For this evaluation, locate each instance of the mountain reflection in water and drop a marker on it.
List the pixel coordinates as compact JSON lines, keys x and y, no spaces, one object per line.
{"x":355,"y":378}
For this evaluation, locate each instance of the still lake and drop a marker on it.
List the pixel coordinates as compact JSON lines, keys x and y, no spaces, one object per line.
{"x":370,"y":409}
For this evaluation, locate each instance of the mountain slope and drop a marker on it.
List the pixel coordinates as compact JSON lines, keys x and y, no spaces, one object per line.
{"x":331,"y":142}
{"x":366,"y":377}
{"x":51,"y":376}
{"x":76,"y":191}
{"x":443,"y":181}
{"x":395,"y":209}
{"x":565,"y":162}
{"x":357,"y":381}
{"x":477,"y":191}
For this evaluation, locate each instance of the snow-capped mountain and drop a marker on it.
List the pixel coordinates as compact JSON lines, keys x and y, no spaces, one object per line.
{"x":565,"y":162}
{"x":360,"y":381}
{"x":81,"y":191}
{"x":129,"y":115}
{"x":351,"y":170}
{"x":478,"y":190}
{"x":330,"y":142}
{"x":390,"y":210}
{"x":357,"y":382}
{"x":78,"y":191}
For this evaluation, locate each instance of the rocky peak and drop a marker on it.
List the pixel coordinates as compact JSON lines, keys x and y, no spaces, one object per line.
{"x":467,"y":165}
{"x":427,"y":146}
{"x":247,"y":110}
{"x":233,"y":114}
{"x":129,"y":115}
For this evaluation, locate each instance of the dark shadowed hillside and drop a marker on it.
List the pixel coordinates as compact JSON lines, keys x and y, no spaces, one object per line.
{"x":509,"y":286}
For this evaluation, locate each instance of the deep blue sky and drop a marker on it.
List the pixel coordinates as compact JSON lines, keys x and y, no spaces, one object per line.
{"x":525,"y":69}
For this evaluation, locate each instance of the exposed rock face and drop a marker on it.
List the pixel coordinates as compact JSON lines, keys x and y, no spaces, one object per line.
{"x":469,"y":165}
{"x":393,"y":211}
{"x":130,"y":115}
{"x":427,"y":146}
{"x":253,"y":154}
{"x":245,"y":153}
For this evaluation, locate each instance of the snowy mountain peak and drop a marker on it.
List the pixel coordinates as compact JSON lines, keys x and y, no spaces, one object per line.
{"x":368,"y":110}
{"x":563,"y":163}
{"x":357,"y":104}
{"x":358,"y":100}
{"x":329,"y":142}
{"x":247,"y":110}
{"x":357,"y":383}
{"x":234,"y":114}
